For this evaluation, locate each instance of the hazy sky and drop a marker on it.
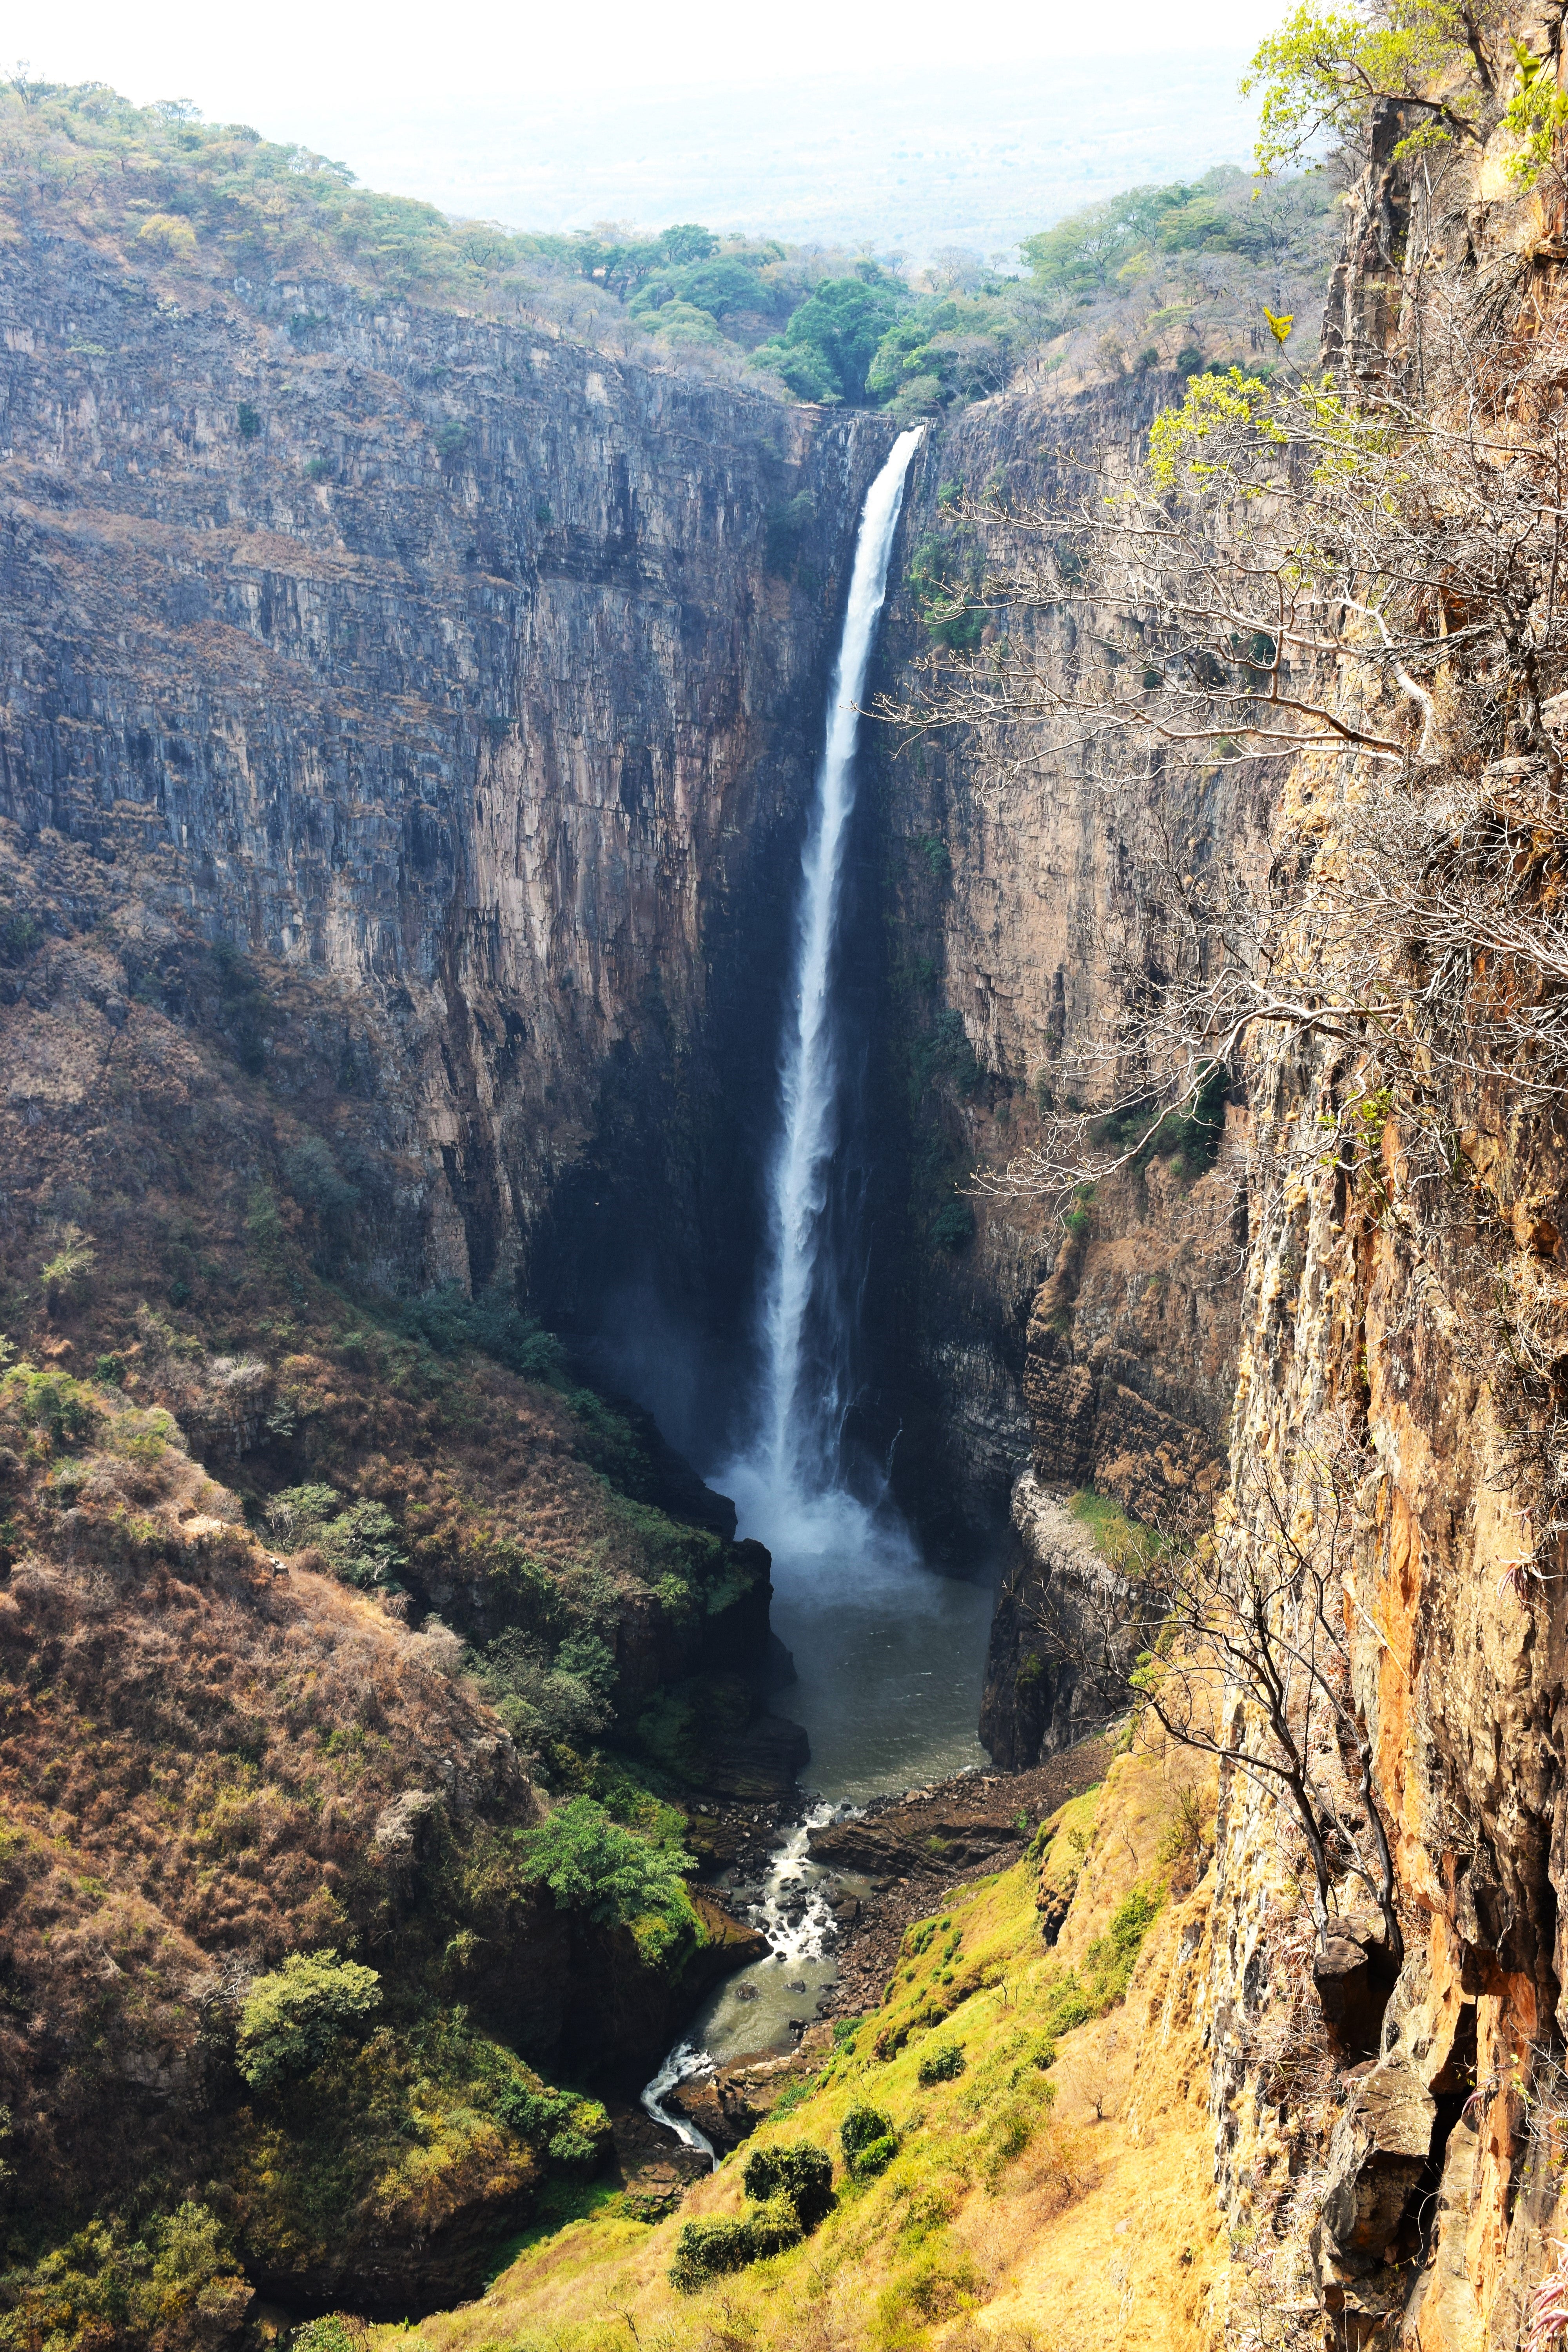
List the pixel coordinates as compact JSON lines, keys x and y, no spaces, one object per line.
{"x":828,"y":117}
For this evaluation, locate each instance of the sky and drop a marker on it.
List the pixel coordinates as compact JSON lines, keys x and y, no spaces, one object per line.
{"x":827,"y":119}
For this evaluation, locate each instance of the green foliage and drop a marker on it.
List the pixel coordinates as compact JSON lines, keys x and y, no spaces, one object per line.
{"x":826,"y":350}
{"x":1069,"y":2000}
{"x":869,"y":2141}
{"x":177,"y":2283}
{"x":942,"y":579}
{"x":1126,"y":1543}
{"x":321,"y":1188}
{"x":391,"y":2125}
{"x":1536,"y":114}
{"x":612,"y":1875}
{"x":20,"y":933}
{"x":63,"y":1410}
{"x":946,"y":348}
{"x":542,"y":1700}
{"x":292,"y":2017}
{"x":944,"y":1052}
{"x":793,"y":2188}
{"x":572,"y":2130}
{"x":1109,"y":1962}
{"x":357,"y":1539}
{"x":953,"y":1227}
{"x":786,"y":523}
{"x":945,"y":2064}
{"x":447,"y":1321}
{"x":451,"y":438}
{"x":1190,"y":1137}
{"x":1320,"y":71}
{"x":73,"y":1260}
{"x":708,"y":2250}
{"x":1188,"y":446}
{"x":800,"y":2173}
{"x":250,"y":421}
{"x":335,"y":2331}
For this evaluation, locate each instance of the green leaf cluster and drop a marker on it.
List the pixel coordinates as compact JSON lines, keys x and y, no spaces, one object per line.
{"x":1320,"y":72}
{"x":292,"y":2017}
{"x":826,"y":350}
{"x":792,"y":2188}
{"x":103,"y":2288}
{"x":356,"y":1538}
{"x":869,"y":2141}
{"x":612,"y":1875}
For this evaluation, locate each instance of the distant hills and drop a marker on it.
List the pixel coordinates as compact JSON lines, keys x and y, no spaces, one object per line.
{"x":928,"y":156}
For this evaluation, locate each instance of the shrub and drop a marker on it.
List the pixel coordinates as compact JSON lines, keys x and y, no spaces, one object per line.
{"x":168,"y":235}
{"x":20,"y":935}
{"x":448,"y":1320}
{"x":953,"y":1228}
{"x":450,"y":438}
{"x":292,"y":2017}
{"x":793,"y":2188}
{"x":61,"y":1408}
{"x":250,"y":421}
{"x":944,"y":2064}
{"x":706,"y":2250}
{"x":355,"y":1540}
{"x":177,"y":2285}
{"x":335,"y":2331}
{"x":869,"y":2141}
{"x":1110,"y":1958}
{"x":591,"y":1864}
{"x":801,"y":2173}
{"x":73,"y":1260}
{"x":320,"y":1186}
{"x":572,"y":2130}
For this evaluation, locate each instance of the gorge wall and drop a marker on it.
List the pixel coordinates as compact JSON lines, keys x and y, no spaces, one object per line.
{"x":997,"y":883}
{"x":453,"y":672}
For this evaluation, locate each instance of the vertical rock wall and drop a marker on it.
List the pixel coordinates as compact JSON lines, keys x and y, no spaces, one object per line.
{"x":452,"y":673}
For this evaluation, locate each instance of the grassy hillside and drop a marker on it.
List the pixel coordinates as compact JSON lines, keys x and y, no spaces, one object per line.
{"x":314,"y":1603}
{"x":1044,"y":2175}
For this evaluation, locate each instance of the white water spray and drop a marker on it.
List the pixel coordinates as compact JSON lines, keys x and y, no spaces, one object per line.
{"x":792,"y":1463}
{"x":684,"y":2060}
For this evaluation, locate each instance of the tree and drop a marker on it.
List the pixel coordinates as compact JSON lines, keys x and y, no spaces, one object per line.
{"x":590,"y":1863}
{"x":1447,"y":60}
{"x":831,"y":340}
{"x":1257,"y":1608}
{"x":294,"y":2016}
{"x":167,"y":234}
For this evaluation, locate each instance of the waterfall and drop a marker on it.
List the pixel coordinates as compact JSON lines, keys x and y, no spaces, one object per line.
{"x":791,"y":1469}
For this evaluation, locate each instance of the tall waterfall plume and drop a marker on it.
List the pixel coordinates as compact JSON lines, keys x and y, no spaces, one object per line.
{"x":791,"y":1471}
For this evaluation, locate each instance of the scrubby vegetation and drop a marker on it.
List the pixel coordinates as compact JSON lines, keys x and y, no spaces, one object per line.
{"x":310,"y":1596}
{"x":291,"y":2019}
{"x":186,"y":200}
{"x":897,"y":2205}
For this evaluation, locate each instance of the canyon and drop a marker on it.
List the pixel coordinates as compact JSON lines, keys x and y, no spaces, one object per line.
{"x":409,"y":738}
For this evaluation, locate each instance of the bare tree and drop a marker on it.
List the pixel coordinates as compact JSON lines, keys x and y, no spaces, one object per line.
{"x":1257,"y":1610}
{"x":1369,"y":594}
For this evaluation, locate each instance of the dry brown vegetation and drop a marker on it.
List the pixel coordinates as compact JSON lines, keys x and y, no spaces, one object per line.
{"x":213,"y":1752}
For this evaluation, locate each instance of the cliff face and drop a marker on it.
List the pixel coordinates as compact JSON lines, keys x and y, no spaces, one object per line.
{"x":465,"y":678}
{"x":1388,"y":2126}
{"x":1001,"y":886}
